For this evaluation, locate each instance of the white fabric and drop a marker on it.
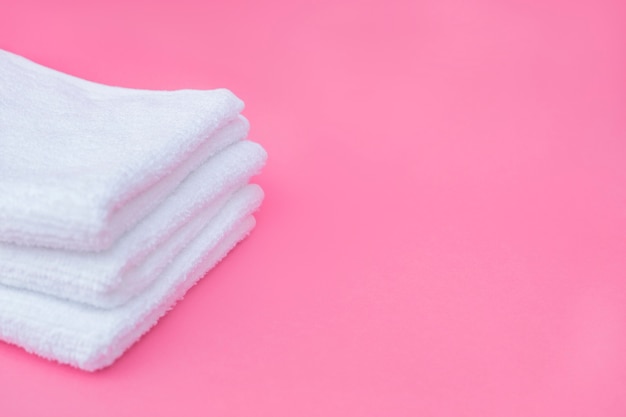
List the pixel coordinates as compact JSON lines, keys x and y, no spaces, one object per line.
{"x":81,"y":162}
{"x":109,"y":278}
{"x":91,"y":338}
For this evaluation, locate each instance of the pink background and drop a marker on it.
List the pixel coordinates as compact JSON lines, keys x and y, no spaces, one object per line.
{"x":445,"y":226}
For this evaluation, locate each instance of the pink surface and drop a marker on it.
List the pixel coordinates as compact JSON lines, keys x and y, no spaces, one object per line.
{"x":445,"y":226}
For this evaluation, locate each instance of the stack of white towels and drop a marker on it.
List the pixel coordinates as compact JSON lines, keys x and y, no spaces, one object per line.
{"x":113,"y":203}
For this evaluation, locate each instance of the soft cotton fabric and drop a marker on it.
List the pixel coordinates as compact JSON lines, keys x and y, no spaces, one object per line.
{"x":110,"y":278}
{"x":81,"y":162}
{"x":92,"y":338}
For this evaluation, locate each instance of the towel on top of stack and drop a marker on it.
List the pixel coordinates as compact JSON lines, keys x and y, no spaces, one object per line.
{"x":113,"y":202}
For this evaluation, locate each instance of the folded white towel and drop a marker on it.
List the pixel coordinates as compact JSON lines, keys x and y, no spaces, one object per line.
{"x":109,"y":278}
{"x":80,"y":162}
{"x":91,"y":338}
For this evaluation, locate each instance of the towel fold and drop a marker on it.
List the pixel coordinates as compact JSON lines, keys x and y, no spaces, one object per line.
{"x":81,"y":162}
{"x":110,"y":278}
{"x":113,"y":203}
{"x":91,"y":338}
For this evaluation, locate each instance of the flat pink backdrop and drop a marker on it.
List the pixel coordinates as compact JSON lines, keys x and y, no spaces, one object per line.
{"x":445,"y":226}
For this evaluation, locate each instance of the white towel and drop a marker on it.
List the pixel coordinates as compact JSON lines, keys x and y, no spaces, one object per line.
{"x":92,"y":338}
{"x":109,"y":278}
{"x":81,"y":162}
